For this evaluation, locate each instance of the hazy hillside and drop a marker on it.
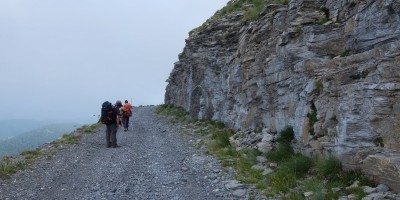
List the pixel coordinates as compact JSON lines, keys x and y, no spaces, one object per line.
{"x":32,"y":139}
{"x":14,"y":127}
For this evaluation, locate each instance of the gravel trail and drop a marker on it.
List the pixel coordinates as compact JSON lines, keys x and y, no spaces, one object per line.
{"x":153,"y":162}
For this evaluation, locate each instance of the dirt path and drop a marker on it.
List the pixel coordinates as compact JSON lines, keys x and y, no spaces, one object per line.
{"x":153,"y":162}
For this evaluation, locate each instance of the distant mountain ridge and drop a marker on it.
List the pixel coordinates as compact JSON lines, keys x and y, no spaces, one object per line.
{"x":34,"y":138}
{"x":13,"y":127}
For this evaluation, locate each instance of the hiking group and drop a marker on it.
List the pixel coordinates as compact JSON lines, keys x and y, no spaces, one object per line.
{"x":113,"y":116}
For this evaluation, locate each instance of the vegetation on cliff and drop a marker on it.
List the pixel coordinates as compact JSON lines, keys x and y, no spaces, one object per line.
{"x":252,"y":11}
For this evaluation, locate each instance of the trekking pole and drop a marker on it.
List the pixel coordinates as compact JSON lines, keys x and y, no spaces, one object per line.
{"x":131,"y":122}
{"x":131,"y":118}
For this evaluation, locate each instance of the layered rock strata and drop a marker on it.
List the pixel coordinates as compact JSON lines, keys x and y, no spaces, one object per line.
{"x":328,"y":68}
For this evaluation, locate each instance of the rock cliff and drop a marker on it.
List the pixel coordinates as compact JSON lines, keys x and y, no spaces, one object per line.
{"x":328,"y":68}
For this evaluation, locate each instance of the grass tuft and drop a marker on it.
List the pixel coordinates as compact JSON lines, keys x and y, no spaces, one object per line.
{"x":178,"y":112}
{"x":220,"y":138}
{"x":255,"y":8}
{"x":282,"y":153}
{"x":253,"y":13}
{"x":29,"y":155}
{"x":87,"y":129}
{"x":9,"y":166}
{"x":70,"y":139}
{"x":245,"y":160}
{"x":299,"y":164}
{"x":281,"y":182}
{"x":330,"y":167}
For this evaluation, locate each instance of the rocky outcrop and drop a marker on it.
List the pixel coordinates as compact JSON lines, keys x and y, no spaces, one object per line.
{"x":328,"y":68}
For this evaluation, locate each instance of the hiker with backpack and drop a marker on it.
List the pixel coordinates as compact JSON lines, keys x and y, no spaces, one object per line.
{"x":119,"y":106}
{"x":110,"y":117}
{"x":127,"y":112}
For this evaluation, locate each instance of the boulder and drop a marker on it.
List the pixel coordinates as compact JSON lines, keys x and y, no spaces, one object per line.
{"x":384,"y":168}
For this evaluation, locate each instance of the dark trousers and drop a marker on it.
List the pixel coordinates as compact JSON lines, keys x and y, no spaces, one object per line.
{"x":125,"y":122}
{"x":111,"y":135}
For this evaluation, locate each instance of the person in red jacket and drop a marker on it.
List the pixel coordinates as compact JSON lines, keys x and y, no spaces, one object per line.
{"x":127,"y":113}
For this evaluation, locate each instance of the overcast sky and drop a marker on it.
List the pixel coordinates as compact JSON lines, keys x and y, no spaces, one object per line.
{"x":61,"y":59}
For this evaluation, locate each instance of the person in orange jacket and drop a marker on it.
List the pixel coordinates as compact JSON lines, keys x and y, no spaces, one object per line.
{"x":126,"y":114}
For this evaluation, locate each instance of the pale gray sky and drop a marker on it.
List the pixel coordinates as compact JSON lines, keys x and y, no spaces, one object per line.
{"x":60,"y":59}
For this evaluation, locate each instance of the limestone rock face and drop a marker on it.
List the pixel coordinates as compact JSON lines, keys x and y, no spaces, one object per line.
{"x":337,"y":61}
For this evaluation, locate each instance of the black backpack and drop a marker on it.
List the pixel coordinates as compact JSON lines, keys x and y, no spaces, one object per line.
{"x":108,"y":115}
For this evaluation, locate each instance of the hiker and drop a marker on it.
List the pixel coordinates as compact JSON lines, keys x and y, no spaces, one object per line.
{"x":121,"y":111}
{"x":127,"y":112}
{"x":110,"y":117}
{"x":118,"y":105}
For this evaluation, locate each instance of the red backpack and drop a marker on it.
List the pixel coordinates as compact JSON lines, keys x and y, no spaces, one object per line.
{"x":127,"y":110}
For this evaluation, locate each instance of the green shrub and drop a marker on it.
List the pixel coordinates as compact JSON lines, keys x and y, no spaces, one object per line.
{"x":346,"y":53}
{"x":254,"y":12}
{"x":181,"y":55}
{"x":283,"y":152}
{"x":221,"y":138}
{"x":312,"y":118}
{"x":379,"y":142}
{"x":233,"y":6}
{"x":325,"y":10}
{"x":218,"y":124}
{"x":286,"y":135}
{"x":299,"y":164}
{"x":350,"y":177}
